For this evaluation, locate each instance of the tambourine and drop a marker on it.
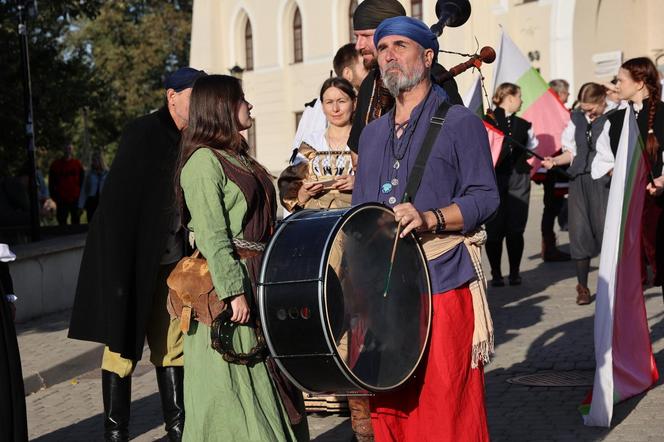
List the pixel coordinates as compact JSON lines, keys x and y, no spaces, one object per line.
{"x":221,"y":334}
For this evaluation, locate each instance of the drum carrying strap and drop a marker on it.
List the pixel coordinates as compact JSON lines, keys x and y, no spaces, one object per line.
{"x":415,"y":177}
{"x":436,"y":245}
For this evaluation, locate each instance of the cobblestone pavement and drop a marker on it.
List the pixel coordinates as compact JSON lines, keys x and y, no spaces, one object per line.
{"x":539,"y":329}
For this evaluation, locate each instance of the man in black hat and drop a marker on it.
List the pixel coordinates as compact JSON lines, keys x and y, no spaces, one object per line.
{"x":133,"y":243}
{"x":374,"y":100}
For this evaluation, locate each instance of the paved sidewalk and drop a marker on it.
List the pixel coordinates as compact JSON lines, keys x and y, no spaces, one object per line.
{"x":539,"y":328}
{"x":48,"y":357}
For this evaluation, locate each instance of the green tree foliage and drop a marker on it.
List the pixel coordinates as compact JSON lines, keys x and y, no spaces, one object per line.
{"x":59,"y":84}
{"x":132,"y":47}
{"x":102,"y":59}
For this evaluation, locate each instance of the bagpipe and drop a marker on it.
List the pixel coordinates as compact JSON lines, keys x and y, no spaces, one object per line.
{"x":452,"y":14}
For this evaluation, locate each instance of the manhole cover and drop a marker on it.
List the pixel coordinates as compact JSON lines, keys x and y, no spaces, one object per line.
{"x":556,"y":379}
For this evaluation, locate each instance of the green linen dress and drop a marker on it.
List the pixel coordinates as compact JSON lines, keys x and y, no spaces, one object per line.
{"x":224,"y":402}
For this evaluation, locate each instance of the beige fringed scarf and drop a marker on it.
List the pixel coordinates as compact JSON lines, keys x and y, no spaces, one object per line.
{"x":437,"y":245}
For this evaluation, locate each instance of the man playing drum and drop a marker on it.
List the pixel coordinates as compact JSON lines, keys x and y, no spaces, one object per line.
{"x":445,"y":400}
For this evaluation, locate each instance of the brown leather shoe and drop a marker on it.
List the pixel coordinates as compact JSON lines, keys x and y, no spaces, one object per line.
{"x":582,"y":295}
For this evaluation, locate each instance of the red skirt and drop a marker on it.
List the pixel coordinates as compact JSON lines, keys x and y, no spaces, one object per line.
{"x":445,"y":399}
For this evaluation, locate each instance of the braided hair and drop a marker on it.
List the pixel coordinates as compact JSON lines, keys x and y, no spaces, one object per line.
{"x":643,"y":69}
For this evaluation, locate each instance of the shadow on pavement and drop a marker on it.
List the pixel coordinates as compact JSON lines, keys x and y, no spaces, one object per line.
{"x":52,"y":322}
{"x":341,"y":433}
{"x":515,"y":308}
{"x":145,"y":416}
{"x":518,"y":412}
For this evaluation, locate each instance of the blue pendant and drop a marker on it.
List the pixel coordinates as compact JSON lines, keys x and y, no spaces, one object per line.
{"x":386,"y":187}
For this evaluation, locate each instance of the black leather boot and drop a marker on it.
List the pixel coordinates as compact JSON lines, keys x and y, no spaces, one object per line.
{"x":116,"y":392}
{"x":170,"y":380}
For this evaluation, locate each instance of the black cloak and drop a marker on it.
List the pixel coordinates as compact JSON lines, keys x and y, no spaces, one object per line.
{"x":13,"y":424}
{"x":127,"y":238}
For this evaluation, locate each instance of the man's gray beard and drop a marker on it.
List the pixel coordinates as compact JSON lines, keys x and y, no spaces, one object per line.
{"x":397,"y":82}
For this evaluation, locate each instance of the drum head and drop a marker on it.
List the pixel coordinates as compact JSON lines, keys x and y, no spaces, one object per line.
{"x":379,"y":327}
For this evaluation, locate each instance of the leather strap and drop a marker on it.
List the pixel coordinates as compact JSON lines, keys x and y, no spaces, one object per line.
{"x":415,"y":177}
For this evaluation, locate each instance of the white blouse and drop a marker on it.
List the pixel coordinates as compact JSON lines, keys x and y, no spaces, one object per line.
{"x":317,"y":140}
{"x":604,"y":159}
{"x":568,"y":138}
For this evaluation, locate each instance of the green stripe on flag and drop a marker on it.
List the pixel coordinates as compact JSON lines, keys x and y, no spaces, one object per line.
{"x":634,"y":161}
{"x":532,"y":87}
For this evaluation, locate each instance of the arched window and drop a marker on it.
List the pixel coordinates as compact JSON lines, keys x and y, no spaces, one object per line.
{"x":297,"y":37}
{"x":351,"y":10}
{"x":416,"y":9}
{"x":248,"y":47}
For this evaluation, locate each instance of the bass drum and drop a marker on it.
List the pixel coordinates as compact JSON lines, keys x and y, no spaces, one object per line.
{"x":332,"y":320}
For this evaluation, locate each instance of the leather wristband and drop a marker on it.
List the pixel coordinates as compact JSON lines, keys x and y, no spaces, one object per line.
{"x":440,"y":227}
{"x":439,"y":220}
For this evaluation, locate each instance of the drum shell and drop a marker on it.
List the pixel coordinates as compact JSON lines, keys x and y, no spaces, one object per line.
{"x":294,"y":306}
{"x":295,"y":281}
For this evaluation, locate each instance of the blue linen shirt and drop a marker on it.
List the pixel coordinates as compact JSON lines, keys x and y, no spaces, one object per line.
{"x":459,"y":170}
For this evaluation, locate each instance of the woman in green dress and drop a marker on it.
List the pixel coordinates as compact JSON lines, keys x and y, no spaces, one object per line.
{"x":227,"y":196}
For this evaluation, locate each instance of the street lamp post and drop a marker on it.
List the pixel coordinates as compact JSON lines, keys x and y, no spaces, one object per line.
{"x":22,"y":7}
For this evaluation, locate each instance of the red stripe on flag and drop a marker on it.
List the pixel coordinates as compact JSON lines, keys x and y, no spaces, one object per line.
{"x":633,"y":371}
{"x":496,"y":138}
{"x":549,"y":118}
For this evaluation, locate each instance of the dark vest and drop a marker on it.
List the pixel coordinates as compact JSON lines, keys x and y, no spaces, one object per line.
{"x":585,"y":132}
{"x":511,"y":155}
{"x":618,"y":118}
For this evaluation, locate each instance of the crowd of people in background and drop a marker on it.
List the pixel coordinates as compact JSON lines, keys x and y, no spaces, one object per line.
{"x":575,"y":198}
{"x":73,"y":189}
{"x":575,"y":191}
{"x":67,"y":191}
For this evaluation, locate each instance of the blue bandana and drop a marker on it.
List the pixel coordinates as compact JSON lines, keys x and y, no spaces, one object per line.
{"x":409,"y":27}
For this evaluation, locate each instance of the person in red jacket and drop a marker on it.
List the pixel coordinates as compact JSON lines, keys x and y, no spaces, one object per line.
{"x":65,"y":178}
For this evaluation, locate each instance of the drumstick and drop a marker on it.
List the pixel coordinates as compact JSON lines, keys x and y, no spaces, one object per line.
{"x":394,"y":253}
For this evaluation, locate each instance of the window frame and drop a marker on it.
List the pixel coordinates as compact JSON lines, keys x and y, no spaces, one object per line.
{"x":298,"y":40}
{"x":248,"y":46}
